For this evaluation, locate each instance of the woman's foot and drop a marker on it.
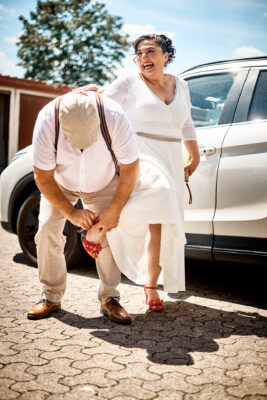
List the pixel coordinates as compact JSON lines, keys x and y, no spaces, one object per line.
{"x":152,"y":298}
{"x":91,"y":241}
{"x":94,"y":234}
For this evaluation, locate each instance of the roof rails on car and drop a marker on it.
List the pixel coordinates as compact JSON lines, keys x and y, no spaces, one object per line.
{"x":227,"y":61}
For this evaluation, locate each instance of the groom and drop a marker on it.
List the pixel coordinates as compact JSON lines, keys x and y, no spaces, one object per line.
{"x":81,"y":166}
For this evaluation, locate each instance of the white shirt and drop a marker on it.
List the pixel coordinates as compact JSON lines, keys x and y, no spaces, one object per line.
{"x":89,"y":170}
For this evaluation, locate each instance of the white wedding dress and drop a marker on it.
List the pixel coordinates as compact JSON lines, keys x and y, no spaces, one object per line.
{"x":158,"y":197}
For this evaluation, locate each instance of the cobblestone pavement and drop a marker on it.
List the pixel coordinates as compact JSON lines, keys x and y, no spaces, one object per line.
{"x":209,"y":343}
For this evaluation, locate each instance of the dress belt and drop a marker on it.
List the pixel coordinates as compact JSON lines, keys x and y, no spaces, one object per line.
{"x":159,"y":137}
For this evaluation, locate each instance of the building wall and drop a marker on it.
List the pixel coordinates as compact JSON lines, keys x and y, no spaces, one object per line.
{"x":21,"y":101}
{"x":29,"y":108}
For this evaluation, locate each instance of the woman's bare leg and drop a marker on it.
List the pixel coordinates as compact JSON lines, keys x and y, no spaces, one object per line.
{"x":153,"y":268}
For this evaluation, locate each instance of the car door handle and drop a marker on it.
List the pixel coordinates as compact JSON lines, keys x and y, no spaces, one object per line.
{"x":207,"y":151}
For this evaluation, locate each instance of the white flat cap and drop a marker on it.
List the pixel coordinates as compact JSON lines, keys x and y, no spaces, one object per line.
{"x":79,"y":119}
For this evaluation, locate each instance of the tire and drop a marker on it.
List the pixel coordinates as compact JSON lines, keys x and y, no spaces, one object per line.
{"x":27,"y":226}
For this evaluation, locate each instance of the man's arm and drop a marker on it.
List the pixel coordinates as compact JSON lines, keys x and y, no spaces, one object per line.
{"x":49,"y":188}
{"x":109,"y":217}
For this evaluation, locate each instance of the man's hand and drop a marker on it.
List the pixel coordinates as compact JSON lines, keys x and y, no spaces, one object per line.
{"x":82,"y":218}
{"x":91,"y":87}
{"x":108,"y":218}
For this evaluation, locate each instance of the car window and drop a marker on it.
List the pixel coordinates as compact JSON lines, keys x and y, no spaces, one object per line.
{"x":258,"y":107}
{"x":208,"y":95}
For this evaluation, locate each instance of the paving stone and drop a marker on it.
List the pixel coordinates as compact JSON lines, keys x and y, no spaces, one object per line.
{"x":127,"y":387}
{"x":31,"y":357}
{"x":212,"y":375}
{"x":6,"y":350}
{"x":182,"y":369}
{"x":15,"y":337}
{"x":136,"y":355}
{"x":7,"y":322}
{"x":203,"y":361}
{"x":91,"y":376}
{"x":34,"y":395}
{"x":37,"y":344}
{"x":169,"y":395}
{"x":79,"y":392}
{"x":172,"y":381}
{"x":27,"y":328}
{"x":54,"y":333}
{"x":5,"y":392}
{"x":71,"y":352}
{"x":80,"y":340}
{"x":135,"y":370}
{"x":58,"y":365}
{"x":249,"y":386}
{"x":107,"y":348}
{"x":47,"y":382}
{"x":210,"y":392}
{"x":105,"y":361}
{"x":16,"y":371}
{"x":248,"y":370}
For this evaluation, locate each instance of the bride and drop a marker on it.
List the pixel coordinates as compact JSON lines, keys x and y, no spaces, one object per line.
{"x":148,"y":243}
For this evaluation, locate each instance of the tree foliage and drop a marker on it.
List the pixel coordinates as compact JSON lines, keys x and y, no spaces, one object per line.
{"x":70,"y":41}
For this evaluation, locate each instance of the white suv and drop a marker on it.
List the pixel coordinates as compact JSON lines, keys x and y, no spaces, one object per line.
{"x":228,"y":217}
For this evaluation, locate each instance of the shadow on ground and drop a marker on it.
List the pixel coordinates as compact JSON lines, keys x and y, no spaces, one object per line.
{"x":171,"y":336}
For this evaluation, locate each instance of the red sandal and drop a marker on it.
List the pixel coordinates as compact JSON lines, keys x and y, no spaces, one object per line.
{"x":154,"y":304}
{"x":92,"y":248}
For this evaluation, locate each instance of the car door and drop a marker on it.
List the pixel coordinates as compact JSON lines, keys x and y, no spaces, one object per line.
{"x":214,"y":96}
{"x":240,"y":221}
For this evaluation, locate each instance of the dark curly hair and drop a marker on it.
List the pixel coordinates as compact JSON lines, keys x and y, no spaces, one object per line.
{"x":161,"y":40}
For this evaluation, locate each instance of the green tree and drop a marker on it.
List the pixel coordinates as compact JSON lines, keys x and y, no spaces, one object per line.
{"x":70,"y":41}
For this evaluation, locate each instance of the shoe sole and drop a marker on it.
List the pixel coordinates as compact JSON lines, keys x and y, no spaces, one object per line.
{"x":106,"y":314}
{"x":34,"y":317}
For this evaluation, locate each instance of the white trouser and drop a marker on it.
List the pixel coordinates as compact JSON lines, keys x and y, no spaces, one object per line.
{"x":50,"y":246}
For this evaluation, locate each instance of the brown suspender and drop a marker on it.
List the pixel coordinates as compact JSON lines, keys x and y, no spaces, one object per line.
{"x":104,"y":130}
{"x":103,"y":127}
{"x":57,"y":122}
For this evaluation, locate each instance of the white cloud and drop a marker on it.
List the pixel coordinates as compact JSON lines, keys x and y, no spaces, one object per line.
{"x":135,"y":30}
{"x":8,"y":12}
{"x":247,"y":51}
{"x":9,"y":67}
{"x":11,"y":39}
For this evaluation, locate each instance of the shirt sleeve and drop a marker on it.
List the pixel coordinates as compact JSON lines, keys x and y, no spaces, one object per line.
{"x":118,"y":90}
{"x":44,"y":153}
{"x":188,"y":129}
{"x":123,"y":140}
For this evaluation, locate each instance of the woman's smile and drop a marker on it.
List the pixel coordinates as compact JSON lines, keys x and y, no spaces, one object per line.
{"x":147,"y":66}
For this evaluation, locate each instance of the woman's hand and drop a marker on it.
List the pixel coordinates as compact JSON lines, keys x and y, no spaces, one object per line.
{"x":193,"y":158}
{"x":191,"y":164}
{"x":91,"y":87}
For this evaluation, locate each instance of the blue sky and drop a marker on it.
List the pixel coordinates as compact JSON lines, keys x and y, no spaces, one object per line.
{"x":202,"y":30}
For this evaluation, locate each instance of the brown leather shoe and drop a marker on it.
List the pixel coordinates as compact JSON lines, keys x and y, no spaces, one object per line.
{"x":43,"y":309}
{"x":114,"y":311}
